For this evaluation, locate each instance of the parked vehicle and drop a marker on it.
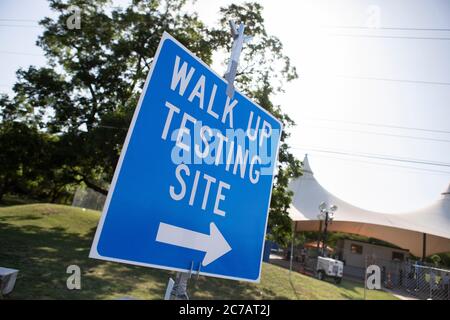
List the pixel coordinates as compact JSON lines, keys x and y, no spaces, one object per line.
{"x":329,"y":268}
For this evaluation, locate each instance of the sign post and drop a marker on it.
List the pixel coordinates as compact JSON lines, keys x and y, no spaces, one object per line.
{"x":179,"y":291}
{"x":238,"y":42}
{"x":180,"y":287}
{"x":191,"y":191}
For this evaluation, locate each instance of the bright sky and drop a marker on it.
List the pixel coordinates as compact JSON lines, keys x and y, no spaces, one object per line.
{"x":329,"y":105}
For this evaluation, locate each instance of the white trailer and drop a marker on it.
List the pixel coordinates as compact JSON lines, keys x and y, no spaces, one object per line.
{"x":329,"y":268}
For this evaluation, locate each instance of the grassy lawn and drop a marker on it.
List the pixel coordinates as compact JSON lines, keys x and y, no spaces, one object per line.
{"x":41,"y":240}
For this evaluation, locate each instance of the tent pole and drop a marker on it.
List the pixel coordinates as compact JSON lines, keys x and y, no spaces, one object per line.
{"x":292,"y":248}
{"x":319,"y":236}
{"x":424,"y":246}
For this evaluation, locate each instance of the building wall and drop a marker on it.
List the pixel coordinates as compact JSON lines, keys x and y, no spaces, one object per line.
{"x":355,"y":263}
{"x":381,"y":253}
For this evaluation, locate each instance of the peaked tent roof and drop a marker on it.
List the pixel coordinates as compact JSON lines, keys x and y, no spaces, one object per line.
{"x":405,"y":230}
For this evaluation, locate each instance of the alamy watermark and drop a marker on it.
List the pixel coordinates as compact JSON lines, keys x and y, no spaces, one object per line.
{"x":373,"y":17}
{"x":74,"y":280}
{"x":373,"y":277}
{"x":74,"y":20}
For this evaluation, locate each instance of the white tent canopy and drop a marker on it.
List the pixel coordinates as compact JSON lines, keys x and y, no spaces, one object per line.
{"x":422,"y":232}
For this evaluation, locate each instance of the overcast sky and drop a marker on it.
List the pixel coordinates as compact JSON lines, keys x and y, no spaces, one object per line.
{"x":349,"y":78}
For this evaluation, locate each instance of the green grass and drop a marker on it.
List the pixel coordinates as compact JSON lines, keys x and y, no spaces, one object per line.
{"x":42,"y":240}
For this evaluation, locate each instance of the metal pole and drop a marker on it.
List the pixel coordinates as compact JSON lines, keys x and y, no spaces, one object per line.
{"x":292,"y":250}
{"x":324,"y":240}
{"x":431,"y":284}
{"x":319,"y":236}
{"x":179,"y":291}
{"x":365,"y":277}
{"x":169,"y":289}
{"x":424,"y":247}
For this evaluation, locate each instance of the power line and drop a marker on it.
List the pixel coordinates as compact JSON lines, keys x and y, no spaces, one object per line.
{"x":374,"y":156}
{"x":439,"y":172}
{"x":18,"y":20}
{"x":393,"y":80}
{"x":353,"y":77}
{"x":380,"y":125}
{"x":387,"y":37}
{"x":384,"y":134}
{"x":19,"y":26}
{"x":387,"y":28}
{"x":21,"y":53}
{"x":339,"y":76}
{"x":326,"y":27}
{"x":111,"y":127}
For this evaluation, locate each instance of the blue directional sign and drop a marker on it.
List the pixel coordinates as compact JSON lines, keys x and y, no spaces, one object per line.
{"x":193,"y":184}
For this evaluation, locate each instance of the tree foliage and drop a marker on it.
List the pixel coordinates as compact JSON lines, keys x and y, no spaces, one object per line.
{"x":83,"y":100}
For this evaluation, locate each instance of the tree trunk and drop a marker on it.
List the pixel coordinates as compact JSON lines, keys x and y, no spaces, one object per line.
{"x":95,"y":187}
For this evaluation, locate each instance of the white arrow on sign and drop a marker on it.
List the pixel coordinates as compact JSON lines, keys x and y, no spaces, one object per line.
{"x":213,"y":244}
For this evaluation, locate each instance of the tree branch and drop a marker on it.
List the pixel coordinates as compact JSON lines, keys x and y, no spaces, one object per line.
{"x":89,"y":183}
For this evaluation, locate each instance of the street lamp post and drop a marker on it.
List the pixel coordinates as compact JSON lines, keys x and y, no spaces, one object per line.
{"x":326,"y":215}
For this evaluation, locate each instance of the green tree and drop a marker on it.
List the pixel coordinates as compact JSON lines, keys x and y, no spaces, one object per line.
{"x":87,"y":94}
{"x":22,"y":151}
